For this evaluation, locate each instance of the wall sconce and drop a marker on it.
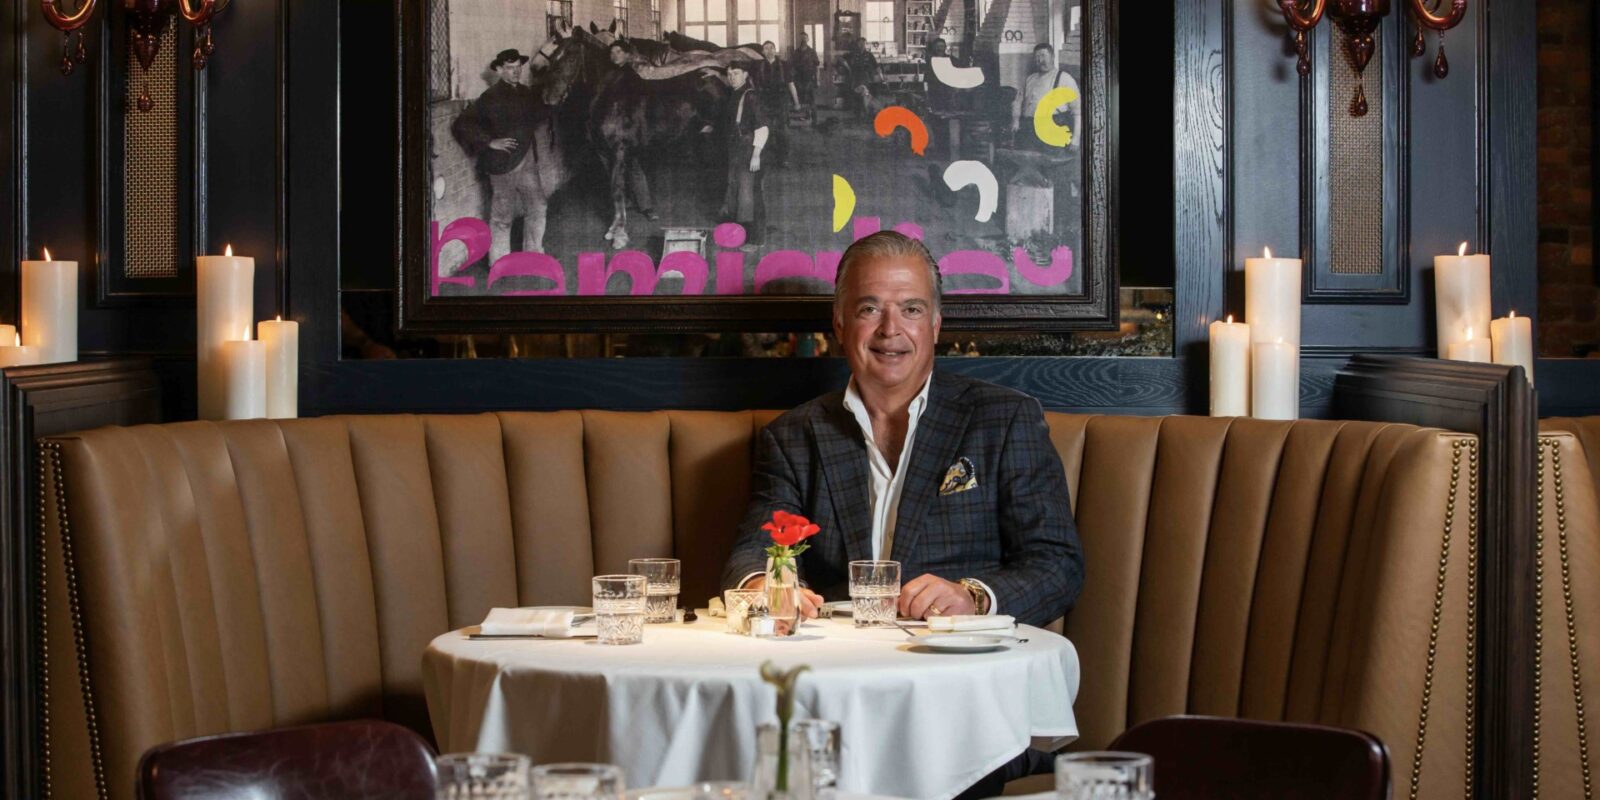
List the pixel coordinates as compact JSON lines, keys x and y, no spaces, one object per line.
{"x":1358,"y":20}
{"x":147,"y":20}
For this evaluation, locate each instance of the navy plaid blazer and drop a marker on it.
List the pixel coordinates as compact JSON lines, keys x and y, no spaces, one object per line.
{"x":1013,"y":530}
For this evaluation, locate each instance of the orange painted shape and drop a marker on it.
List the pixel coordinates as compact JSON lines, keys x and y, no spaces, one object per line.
{"x":901,"y":117}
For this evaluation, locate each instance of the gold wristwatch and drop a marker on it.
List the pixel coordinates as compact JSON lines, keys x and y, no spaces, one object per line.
{"x":980,"y":598}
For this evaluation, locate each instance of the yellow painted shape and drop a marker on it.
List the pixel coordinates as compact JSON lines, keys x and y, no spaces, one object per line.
{"x":1044,"y":124}
{"x":844,"y":203}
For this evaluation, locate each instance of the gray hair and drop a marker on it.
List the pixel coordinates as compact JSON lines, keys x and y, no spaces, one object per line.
{"x":887,"y":244}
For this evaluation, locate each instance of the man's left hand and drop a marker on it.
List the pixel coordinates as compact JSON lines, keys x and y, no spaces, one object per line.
{"x":933,"y":596}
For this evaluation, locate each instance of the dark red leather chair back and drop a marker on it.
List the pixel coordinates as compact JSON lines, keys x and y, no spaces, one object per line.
{"x":1206,"y":758}
{"x":357,"y":759}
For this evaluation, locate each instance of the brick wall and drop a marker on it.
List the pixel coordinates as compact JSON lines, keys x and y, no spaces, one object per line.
{"x":1568,"y":295}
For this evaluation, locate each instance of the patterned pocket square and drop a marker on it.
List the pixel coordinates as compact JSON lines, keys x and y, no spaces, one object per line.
{"x":960,"y":477}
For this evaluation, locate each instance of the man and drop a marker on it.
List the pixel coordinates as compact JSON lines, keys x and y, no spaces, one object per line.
{"x":1046,"y":76}
{"x":860,"y":70}
{"x":745,"y":125}
{"x":623,"y":56}
{"x":778,"y":92}
{"x":499,"y":130}
{"x":805,"y":62}
{"x":954,"y":478}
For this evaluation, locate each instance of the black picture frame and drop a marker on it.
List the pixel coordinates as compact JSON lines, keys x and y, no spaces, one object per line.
{"x":421,"y":313}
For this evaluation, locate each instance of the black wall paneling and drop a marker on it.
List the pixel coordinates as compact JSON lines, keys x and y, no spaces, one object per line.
{"x":43,"y":401}
{"x":1363,"y":200}
{"x":1496,"y":403}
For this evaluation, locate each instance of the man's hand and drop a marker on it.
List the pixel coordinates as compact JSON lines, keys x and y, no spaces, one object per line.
{"x":755,"y":161}
{"x":810,"y":602}
{"x":933,"y":596}
{"x":503,"y":145}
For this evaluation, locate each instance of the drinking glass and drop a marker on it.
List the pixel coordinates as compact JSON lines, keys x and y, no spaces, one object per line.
{"x":482,"y":776}
{"x":662,"y":576}
{"x":1103,"y":776}
{"x":719,"y":790}
{"x":577,"y":782}
{"x":619,"y":604}
{"x":738,"y":603}
{"x":821,"y":738}
{"x":875,"y":588}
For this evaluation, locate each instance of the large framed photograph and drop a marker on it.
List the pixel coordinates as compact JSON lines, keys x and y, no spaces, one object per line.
{"x":661,"y":165}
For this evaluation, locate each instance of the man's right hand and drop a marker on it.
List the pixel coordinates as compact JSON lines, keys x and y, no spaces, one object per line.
{"x":810,"y":602}
{"x":503,"y":145}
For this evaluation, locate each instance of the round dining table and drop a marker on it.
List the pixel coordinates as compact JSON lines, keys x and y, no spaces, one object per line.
{"x":683,"y":706}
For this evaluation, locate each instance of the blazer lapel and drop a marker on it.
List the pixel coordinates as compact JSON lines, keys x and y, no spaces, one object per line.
{"x":939,"y":433}
{"x":843,"y":452}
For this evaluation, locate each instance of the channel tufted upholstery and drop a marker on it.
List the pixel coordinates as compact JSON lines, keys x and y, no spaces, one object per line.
{"x":1568,"y":549}
{"x":245,"y":575}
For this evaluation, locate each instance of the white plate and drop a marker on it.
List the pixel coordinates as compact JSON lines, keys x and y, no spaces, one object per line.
{"x":583,"y":626}
{"x":842,"y":608}
{"x":962,"y":642}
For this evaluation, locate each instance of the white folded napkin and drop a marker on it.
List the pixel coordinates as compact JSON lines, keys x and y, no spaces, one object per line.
{"x":972,"y":622}
{"x":551,"y":623}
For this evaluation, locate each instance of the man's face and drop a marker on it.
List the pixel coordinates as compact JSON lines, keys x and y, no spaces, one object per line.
{"x":511,"y":72}
{"x":805,"y":41}
{"x":886,"y":322}
{"x":619,"y":56}
{"x":937,"y":48}
{"x":769,"y":50}
{"x":737,"y":77}
{"x":1043,"y":60}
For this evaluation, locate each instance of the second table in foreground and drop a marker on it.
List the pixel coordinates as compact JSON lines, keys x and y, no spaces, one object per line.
{"x":683,"y":706}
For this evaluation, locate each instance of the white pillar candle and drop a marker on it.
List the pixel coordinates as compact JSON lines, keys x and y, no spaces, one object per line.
{"x":1513,"y":342}
{"x":50,"y":309}
{"x":282,"y":340}
{"x":15,"y":355}
{"x":1272,"y":310}
{"x":1230,"y":368}
{"x":243,"y":367}
{"x":1470,"y":347}
{"x":1461,"y":296}
{"x":224,"y":289}
{"x":1275,"y":381}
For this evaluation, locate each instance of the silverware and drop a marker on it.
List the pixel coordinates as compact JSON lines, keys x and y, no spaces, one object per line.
{"x":907,"y":631}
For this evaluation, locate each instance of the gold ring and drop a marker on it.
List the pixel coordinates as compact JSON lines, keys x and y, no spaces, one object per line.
{"x":936,"y":611}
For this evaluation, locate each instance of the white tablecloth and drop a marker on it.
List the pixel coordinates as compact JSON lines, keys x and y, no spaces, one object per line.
{"x":683,"y":706}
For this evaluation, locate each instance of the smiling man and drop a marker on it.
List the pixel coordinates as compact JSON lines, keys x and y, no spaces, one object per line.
{"x":954,"y":478}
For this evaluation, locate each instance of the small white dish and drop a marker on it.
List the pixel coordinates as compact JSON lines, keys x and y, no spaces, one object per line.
{"x":962,"y":642}
{"x":840,"y":608}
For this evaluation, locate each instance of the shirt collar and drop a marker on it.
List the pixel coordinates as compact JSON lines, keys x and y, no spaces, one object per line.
{"x":858,"y":407}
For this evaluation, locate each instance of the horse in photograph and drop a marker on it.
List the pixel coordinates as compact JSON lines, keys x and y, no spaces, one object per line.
{"x":630,"y":115}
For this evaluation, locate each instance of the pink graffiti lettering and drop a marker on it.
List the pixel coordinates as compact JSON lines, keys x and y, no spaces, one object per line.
{"x":534,"y":265}
{"x":1059,"y":271}
{"x":691,"y":266}
{"x":976,"y":262}
{"x":781,"y":264}
{"x":594,"y":273}
{"x":474,"y":233}
{"x":730,"y":263}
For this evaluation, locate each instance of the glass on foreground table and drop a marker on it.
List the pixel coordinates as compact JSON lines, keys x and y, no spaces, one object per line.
{"x":820,"y":738}
{"x":662,"y":577}
{"x":875,"y":590}
{"x":577,"y":782}
{"x":482,"y":776}
{"x":619,"y":608}
{"x":738,"y":605}
{"x":1104,"y":776}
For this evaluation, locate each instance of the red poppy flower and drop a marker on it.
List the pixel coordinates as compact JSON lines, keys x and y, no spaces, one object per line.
{"x":788,"y":529}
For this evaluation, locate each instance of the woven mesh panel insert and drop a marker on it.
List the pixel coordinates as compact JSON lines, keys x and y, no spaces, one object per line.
{"x":1355,"y":168}
{"x":150,"y":166}
{"x":439,"y":53}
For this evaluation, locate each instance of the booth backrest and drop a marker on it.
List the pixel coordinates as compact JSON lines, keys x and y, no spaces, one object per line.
{"x":1568,"y":549}
{"x":205,"y":577}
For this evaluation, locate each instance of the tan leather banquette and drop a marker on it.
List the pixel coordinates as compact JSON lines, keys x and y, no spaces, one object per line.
{"x":208,"y":577}
{"x":1568,"y":551}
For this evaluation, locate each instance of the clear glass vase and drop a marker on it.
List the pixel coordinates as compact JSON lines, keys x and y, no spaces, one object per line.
{"x":786,"y":778}
{"x":783,"y":599}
